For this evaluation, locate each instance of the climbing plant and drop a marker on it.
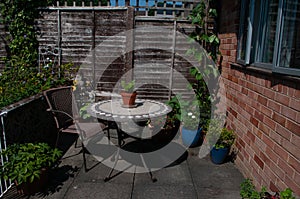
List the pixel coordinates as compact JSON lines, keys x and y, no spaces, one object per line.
{"x":204,"y":17}
{"x":18,"y":18}
{"x":22,"y":77}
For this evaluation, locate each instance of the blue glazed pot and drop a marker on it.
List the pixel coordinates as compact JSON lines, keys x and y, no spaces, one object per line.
{"x":218,"y":155}
{"x":190,"y":138}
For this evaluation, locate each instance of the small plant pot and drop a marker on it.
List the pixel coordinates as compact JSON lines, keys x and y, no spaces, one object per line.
{"x":38,"y":184}
{"x":128,"y":99}
{"x":190,"y":138}
{"x":219,"y":155}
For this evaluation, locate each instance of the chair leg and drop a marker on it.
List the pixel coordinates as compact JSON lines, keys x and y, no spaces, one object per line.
{"x":57,"y":138}
{"x":76,"y":142}
{"x":108,"y":177}
{"x":84,"y":158}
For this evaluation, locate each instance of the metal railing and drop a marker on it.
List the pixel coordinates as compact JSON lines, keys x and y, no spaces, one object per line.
{"x":4,"y":184}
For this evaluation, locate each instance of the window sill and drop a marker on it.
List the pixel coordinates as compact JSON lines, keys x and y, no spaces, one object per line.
{"x":264,"y":71}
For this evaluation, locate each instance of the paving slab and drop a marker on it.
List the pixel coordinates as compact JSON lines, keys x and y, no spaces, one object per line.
{"x":188,"y":178}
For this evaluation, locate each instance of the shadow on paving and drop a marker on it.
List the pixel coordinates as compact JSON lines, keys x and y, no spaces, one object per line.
{"x":185,"y":177}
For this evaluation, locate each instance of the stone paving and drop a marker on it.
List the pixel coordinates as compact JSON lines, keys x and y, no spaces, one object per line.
{"x":188,"y":178}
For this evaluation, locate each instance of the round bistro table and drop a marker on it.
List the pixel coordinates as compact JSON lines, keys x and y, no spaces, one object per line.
{"x":113,"y":110}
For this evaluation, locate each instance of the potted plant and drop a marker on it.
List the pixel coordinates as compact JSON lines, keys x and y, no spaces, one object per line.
{"x":28,"y":165}
{"x":190,"y":123}
{"x":190,"y":129}
{"x":128,"y":93}
{"x":221,"y":148}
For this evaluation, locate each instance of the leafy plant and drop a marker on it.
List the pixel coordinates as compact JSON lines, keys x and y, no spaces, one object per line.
{"x":200,"y":16}
{"x":248,"y":191}
{"x":286,"y":194}
{"x":128,"y":86}
{"x":18,"y":18}
{"x":226,"y":139}
{"x":21,"y":82}
{"x":25,"y":161}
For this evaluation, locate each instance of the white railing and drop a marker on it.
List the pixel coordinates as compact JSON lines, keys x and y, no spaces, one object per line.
{"x":4,"y":184}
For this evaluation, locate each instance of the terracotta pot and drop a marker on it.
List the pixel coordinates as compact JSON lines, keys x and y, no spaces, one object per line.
{"x":128,"y":98}
{"x":38,"y":184}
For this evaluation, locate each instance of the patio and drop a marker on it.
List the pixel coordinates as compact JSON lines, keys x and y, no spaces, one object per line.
{"x":149,"y":43}
{"x":189,"y":177}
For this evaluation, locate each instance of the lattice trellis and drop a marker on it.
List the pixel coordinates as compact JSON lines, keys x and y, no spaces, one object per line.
{"x":50,"y":58}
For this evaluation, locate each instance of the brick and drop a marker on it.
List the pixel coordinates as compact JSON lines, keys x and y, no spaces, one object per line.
{"x":295,"y":104}
{"x":269,"y":122}
{"x":295,"y":139}
{"x":295,"y":163}
{"x":284,"y":132}
{"x":277,"y":171}
{"x":273,"y":187}
{"x":288,"y":170}
{"x":252,"y":95}
{"x":264,"y":128}
{"x":251,"y":136}
{"x":297,"y":178}
{"x":259,"y":162}
{"x":297,"y":94}
{"x":251,"y":110}
{"x":278,"y":118}
{"x":274,"y":105}
{"x":242,"y":143}
{"x":276,"y":137}
{"x":234,"y":113}
{"x":270,"y":173}
{"x":291,"y":148}
{"x":254,"y":121}
{"x":268,"y":141}
{"x":266,"y":111}
{"x":281,"y":152}
{"x":264,"y":158}
{"x":293,"y":127}
{"x":257,"y":88}
{"x":288,"y":112}
{"x":259,"y":116}
{"x":261,"y":99}
{"x":244,"y":90}
{"x":283,"y":99}
{"x":268,"y":93}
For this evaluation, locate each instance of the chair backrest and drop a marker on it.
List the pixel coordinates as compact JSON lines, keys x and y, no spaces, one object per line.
{"x":60,"y":99}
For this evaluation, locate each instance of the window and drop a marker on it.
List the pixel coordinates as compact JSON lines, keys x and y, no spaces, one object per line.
{"x":269,"y":35}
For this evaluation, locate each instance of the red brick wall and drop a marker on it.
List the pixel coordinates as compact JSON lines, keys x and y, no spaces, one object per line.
{"x":264,"y":111}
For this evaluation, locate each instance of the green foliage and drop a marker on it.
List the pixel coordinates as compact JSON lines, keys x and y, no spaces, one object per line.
{"x":200,"y":16}
{"x":248,"y":191}
{"x":226,"y":139}
{"x":203,"y":95}
{"x":185,"y":111}
{"x":21,"y":82}
{"x":25,"y":161}
{"x":128,"y":86}
{"x":287,"y":194}
{"x":18,"y":18}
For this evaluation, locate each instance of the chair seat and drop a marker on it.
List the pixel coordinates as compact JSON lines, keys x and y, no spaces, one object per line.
{"x":90,"y":129}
